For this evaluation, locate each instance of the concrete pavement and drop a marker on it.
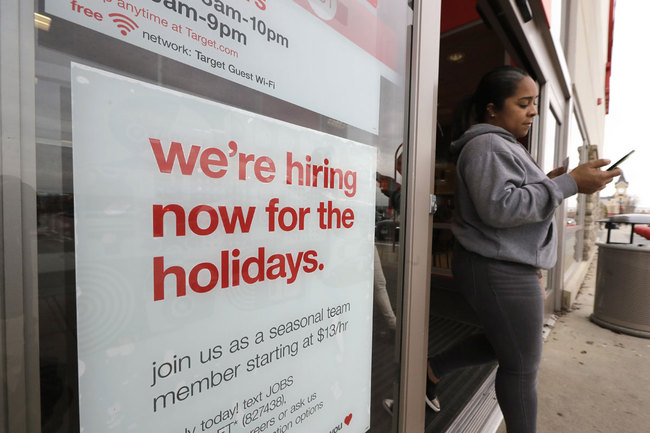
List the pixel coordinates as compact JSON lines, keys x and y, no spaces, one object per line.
{"x":592,"y":379}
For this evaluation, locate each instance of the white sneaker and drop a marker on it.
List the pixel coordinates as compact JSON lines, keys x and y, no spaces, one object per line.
{"x":431,"y":398}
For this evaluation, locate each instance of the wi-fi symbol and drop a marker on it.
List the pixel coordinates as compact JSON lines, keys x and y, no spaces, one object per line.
{"x":123,"y":22}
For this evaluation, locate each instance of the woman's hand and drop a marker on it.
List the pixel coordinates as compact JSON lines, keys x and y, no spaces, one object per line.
{"x":590,"y":178}
{"x":556,"y":172}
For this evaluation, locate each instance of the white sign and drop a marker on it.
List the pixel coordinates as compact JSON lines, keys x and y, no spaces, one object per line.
{"x":224,"y":266}
{"x":282,"y":48}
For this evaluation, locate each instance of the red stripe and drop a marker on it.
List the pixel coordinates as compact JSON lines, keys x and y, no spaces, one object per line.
{"x":456,"y":13}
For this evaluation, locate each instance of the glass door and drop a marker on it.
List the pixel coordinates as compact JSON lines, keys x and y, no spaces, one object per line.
{"x":219,"y":219}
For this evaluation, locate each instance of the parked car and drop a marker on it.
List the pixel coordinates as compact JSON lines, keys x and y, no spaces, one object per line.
{"x":387,"y":230}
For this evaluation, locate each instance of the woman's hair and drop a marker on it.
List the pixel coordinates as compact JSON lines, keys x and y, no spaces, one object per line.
{"x":495,"y":87}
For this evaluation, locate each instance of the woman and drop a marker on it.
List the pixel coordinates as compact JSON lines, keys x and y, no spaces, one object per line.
{"x":504,"y":230}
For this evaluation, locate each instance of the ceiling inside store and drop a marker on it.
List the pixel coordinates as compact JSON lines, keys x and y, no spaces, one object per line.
{"x":466,"y":53}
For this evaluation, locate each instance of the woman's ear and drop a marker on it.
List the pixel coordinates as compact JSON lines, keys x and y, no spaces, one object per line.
{"x":489,"y":108}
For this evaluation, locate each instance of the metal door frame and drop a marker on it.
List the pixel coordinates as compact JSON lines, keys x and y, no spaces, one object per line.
{"x":419,"y":184}
{"x":19,"y":353}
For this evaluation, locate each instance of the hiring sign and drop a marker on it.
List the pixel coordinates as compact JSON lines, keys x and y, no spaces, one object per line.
{"x":224,"y":265}
{"x":304,"y":52}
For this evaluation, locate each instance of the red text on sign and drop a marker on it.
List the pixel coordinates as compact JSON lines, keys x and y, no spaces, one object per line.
{"x":229,"y":270}
{"x":213,"y":162}
{"x":331,"y":217}
{"x":230,"y":219}
{"x":286,"y":217}
{"x":76,"y":7}
{"x":309,"y":174}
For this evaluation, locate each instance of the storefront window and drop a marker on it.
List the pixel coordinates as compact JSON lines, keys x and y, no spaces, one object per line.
{"x":218,"y":214}
{"x":569,"y":246}
{"x":551,"y":140}
{"x":575,"y":204}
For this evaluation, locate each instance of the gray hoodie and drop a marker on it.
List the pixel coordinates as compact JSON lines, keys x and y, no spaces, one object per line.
{"x":505,"y":203}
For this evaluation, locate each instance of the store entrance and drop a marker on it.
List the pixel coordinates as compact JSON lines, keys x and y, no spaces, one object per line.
{"x":468,"y":49}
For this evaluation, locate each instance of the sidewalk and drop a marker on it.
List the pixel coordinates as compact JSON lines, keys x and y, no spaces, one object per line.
{"x":592,"y":379}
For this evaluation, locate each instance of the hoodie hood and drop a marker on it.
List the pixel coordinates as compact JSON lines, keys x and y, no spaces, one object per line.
{"x":480,"y":129}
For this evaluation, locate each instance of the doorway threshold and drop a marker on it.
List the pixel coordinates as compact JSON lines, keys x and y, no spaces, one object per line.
{"x":467,"y":397}
{"x":482,"y":413}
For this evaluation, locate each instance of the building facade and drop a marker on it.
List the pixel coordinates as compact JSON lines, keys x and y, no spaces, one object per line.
{"x":233,"y":216}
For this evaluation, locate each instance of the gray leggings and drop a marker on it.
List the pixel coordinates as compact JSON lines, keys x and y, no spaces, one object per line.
{"x":509,"y":303}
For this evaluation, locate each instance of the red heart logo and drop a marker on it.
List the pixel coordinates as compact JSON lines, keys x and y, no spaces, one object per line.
{"x":348,"y":419}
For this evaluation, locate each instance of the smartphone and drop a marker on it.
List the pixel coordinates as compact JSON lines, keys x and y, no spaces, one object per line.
{"x":613,"y":166}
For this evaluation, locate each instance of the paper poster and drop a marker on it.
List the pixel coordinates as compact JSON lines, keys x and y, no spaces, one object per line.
{"x":224,"y":265}
{"x":311,"y":53}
